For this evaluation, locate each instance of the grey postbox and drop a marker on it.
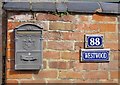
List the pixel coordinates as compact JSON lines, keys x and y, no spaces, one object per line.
{"x":28,"y":47}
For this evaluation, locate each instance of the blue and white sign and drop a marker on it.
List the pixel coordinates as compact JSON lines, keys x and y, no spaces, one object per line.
{"x":94,"y":41}
{"x":95,"y":55}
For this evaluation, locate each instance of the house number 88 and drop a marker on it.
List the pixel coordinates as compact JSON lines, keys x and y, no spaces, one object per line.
{"x":94,"y":41}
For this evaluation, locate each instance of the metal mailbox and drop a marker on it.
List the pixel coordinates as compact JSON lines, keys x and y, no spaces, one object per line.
{"x":28,"y":47}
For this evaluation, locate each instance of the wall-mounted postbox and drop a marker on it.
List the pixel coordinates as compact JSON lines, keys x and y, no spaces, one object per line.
{"x":28,"y":47}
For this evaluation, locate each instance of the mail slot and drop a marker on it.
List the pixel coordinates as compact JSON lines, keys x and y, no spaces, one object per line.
{"x":28,"y":47}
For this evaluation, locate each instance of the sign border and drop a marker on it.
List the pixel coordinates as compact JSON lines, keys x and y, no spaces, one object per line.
{"x":93,"y":47}
{"x":94,"y":50}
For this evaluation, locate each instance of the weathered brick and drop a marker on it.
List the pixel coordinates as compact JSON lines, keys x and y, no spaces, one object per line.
{"x":114,"y":74}
{"x":70,"y":74}
{"x":52,"y":17}
{"x":68,"y":18}
{"x":79,"y":45}
{"x":111,"y":36}
{"x":96,"y":75}
{"x":41,"y":16}
{"x":111,"y":45}
{"x":84,"y":18}
{"x":44,"y":44}
{"x":78,"y":36}
{"x":114,"y":65}
{"x":77,"y":66}
{"x":43,"y":24}
{"x":60,"y":45}
{"x":103,"y":18}
{"x":10,"y":64}
{"x":11,"y":82}
{"x":46,"y":74}
{"x":10,"y":44}
{"x":66,"y":35}
{"x":19,"y":74}
{"x":61,"y":26}
{"x":59,"y":64}
{"x":49,"y":17}
{"x":115,"y":55}
{"x":22,"y":17}
{"x":44,"y":64}
{"x":52,"y":35}
{"x":107,"y":27}
{"x":13,"y":25}
{"x":31,"y":82}
{"x":10,"y":35}
{"x":51,"y":55}
{"x":90,"y":66}
{"x":70,"y":55}
{"x":10,"y":54}
{"x":80,"y":27}
{"x":104,"y":66}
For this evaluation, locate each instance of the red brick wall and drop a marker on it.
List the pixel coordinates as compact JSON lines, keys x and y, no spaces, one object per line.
{"x":63,"y":39}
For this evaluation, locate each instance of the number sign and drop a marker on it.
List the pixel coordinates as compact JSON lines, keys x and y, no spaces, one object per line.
{"x":95,"y":55}
{"x":94,"y":41}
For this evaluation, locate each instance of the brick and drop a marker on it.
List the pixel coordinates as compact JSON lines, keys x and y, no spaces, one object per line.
{"x":19,"y":74}
{"x":10,"y":54}
{"x":10,"y":35}
{"x":70,"y":55}
{"x":44,"y":44}
{"x":107,"y":27}
{"x":77,"y":36}
{"x":112,"y":46}
{"x":80,"y":27}
{"x":44,"y":64}
{"x":104,"y":18}
{"x":46,"y":74}
{"x":79,"y":45}
{"x":84,"y":18}
{"x":90,"y":66}
{"x":51,"y":55}
{"x":77,"y":66}
{"x":96,"y":75}
{"x":22,"y":17}
{"x":111,"y":36}
{"x":104,"y":66}
{"x":114,"y":65}
{"x":68,"y":18}
{"x":41,"y":16}
{"x":66,"y":35}
{"x":10,"y":64}
{"x":115,"y":55}
{"x":92,"y":27}
{"x":59,"y":64}
{"x":31,"y":82}
{"x":43,"y":24}
{"x":59,"y":81}
{"x":10,"y":44}
{"x":114,"y":74}
{"x":13,"y":25}
{"x":70,"y":74}
{"x":52,"y":17}
{"x":11,"y":82}
{"x":61,"y":26}
{"x":60,"y":45}
{"x":52,"y":35}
